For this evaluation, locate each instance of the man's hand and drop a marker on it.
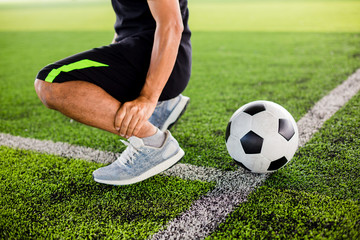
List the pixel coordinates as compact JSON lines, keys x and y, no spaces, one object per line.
{"x":132,"y":115}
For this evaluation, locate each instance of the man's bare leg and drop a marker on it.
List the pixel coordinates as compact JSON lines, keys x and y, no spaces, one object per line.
{"x":86,"y":103}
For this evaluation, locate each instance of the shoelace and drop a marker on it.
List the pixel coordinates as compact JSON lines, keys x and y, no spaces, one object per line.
{"x":128,"y":156}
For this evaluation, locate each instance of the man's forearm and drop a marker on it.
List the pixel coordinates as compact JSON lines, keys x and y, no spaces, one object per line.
{"x":163,"y":57}
{"x":169,"y":28}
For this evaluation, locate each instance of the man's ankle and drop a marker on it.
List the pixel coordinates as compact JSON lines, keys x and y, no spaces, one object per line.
{"x":156,"y":140}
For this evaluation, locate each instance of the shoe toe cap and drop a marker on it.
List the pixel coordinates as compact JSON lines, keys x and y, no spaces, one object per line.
{"x":111,"y":172}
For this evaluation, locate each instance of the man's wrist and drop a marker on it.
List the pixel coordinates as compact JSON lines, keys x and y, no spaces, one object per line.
{"x":150,"y":98}
{"x":152,"y":94}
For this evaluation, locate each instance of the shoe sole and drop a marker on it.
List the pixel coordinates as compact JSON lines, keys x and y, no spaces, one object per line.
{"x":151,"y":172}
{"x":176,"y":114}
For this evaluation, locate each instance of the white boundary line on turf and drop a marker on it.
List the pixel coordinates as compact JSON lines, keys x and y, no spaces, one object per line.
{"x":232,"y":187}
{"x":210,"y":210}
{"x":57,"y":148}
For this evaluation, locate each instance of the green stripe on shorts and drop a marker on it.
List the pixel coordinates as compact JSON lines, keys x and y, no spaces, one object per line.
{"x":85,"y":63}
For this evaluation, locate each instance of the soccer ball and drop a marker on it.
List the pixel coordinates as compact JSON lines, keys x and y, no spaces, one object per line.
{"x":262,"y":136}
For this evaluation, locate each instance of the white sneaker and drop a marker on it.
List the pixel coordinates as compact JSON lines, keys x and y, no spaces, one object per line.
{"x":167,"y":113}
{"x":139,"y":162}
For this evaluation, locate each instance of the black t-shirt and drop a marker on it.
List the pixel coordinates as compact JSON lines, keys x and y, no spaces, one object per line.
{"x":135,"y":27}
{"x":133,"y":17}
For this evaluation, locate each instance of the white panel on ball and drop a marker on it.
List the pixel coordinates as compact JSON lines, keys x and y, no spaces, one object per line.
{"x":264,"y":123}
{"x":271,"y":149}
{"x":257,"y":163}
{"x":240,"y":124}
{"x":234,"y":143}
{"x":292,"y":145}
{"x":275,"y":109}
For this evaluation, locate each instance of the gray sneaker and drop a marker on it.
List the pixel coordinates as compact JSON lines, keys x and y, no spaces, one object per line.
{"x":168,"y":112}
{"x":139,"y":162}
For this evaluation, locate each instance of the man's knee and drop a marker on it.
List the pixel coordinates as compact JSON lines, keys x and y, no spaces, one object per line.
{"x":44,"y":92}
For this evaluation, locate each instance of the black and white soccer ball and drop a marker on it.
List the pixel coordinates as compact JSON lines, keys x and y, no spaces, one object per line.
{"x":262,"y":136}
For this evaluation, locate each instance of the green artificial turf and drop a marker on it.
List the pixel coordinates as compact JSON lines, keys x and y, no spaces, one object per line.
{"x":287,"y":214}
{"x":49,"y":197}
{"x":316,"y":196}
{"x":329,"y":163}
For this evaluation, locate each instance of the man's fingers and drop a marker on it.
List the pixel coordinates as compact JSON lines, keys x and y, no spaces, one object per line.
{"x":138,"y":127}
{"x":136,"y":123}
{"x":131,"y":117}
{"x":125,"y":123}
{"x":128,"y":119}
{"x":132,"y":126}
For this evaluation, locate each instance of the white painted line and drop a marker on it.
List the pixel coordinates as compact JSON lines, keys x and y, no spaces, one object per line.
{"x":57,"y":148}
{"x":209,"y":211}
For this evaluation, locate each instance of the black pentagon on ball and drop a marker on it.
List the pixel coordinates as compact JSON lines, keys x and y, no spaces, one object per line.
{"x":286,"y":129}
{"x":252,"y":143}
{"x":255,"y":108}
{"x":227,"y":134}
{"x":275,"y":165}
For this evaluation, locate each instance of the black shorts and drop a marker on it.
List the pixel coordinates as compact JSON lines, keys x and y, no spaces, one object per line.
{"x":120,"y":69}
